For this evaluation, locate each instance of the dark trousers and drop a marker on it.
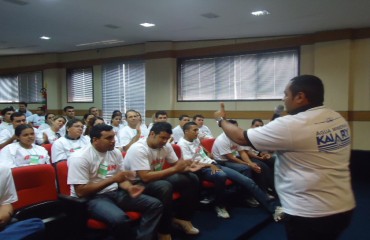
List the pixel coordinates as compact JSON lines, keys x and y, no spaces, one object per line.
{"x":187,"y":184}
{"x":322,"y":228}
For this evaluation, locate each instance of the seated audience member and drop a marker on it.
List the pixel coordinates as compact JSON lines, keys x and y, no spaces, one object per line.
{"x":38,"y":118}
{"x":53,"y":133}
{"x":7,"y":135}
{"x":72,"y":141}
{"x":132,"y":132}
{"x":97,"y":173}
{"x":23,"y":109}
{"x":266,"y":157}
{"x":116,"y":122}
{"x":69,"y":112}
{"x":204,"y":131}
{"x":147,"y":157}
{"x":24,"y":152}
{"x":234,"y":156}
{"x":6,"y":113}
{"x":123,"y":122}
{"x":140,"y":118}
{"x":193,"y":150}
{"x":159,"y":116}
{"x":47,"y":123}
{"x":94,"y":111}
{"x":30,"y":229}
{"x":85,"y":120}
{"x":177,"y":132}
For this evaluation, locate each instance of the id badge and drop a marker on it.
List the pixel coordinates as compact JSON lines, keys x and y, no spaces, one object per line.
{"x":34,"y":159}
{"x":158,"y":167}
{"x":103,"y":170}
{"x":203,"y":154}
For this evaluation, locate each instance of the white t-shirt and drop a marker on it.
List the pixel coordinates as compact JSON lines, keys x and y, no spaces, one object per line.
{"x":194,"y":151}
{"x":205,"y":132}
{"x":52,"y":136}
{"x":126,"y":134}
{"x":224,"y":145}
{"x":14,"y":155}
{"x":43,"y":127}
{"x":36,"y":120}
{"x":90,"y":166}
{"x":177,"y":133}
{"x":63,"y":147}
{"x":6,"y":134}
{"x":141,"y":157}
{"x":5,"y":125}
{"x":8,"y":194}
{"x":312,"y":174}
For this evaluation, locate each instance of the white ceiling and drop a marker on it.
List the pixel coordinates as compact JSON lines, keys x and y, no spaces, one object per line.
{"x":73,"y":22}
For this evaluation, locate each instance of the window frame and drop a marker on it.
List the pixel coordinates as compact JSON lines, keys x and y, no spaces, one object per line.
{"x":17,"y":75}
{"x":69,"y":72}
{"x":181,"y":60}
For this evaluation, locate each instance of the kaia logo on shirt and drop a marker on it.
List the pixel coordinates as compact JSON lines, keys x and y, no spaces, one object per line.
{"x":333,"y":139}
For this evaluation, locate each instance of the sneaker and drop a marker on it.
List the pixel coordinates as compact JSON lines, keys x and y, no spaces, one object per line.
{"x":185,"y":226}
{"x":222,"y":212}
{"x":278,"y":214}
{"x":270,"y":197}
{"x":206,"y":200}
{"x":252,"y":202}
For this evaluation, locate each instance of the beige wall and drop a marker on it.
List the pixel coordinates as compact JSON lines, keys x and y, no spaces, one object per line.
{"x":344,"y":66}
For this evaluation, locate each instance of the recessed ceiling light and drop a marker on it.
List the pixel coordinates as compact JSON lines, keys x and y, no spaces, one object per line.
{"x":147,"y":24}
{"x":45,"y":38}
{"x":260,"y":13}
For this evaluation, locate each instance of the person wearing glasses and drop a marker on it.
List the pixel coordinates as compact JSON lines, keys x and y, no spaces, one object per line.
{"x":24,"y":152}
{"x":50,"y":135}
{"x":71,"y":142}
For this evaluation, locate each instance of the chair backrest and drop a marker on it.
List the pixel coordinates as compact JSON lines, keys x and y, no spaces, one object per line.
{"x":61,"y":169}
{"x":207,"y":143}
{"x":177,"y":150}
{"x":35,"y":184}
{"x":47,"y":146}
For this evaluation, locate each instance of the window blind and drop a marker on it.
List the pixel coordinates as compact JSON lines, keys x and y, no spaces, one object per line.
{"x":123,"y":86}
{"x":80,"y":85}
{"x":242,"y":77}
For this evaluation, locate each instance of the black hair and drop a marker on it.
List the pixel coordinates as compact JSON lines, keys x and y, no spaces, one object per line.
{"x":198,"y":116}
{"x":68,"y":107}
{"x":19,"y":129}
{"x":91,"y":109}
{"x":160,"y":113}
{"x":159,"y":127}
{"x":183,"y":116}
{"x":71,"y":122}
{"x":188,"y":125}
{"x":16,"y":114}
{"x":311,"y":86}
{"x":47,"y":115}
{"x":8,"y":109}
{"x":97,"y":130}
{"x":94,"y":119}
{"x":23,"y":103}
{"x":256,"y":120}
{"x":115,"y":114}
{"x":232,"y":121}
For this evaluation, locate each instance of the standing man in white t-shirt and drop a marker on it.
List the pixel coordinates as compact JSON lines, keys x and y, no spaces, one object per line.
{"x":96,"y":172}
{"x":313,"y":146}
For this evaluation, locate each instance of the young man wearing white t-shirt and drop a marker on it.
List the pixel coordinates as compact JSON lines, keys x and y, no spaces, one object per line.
{"x":312,"y":175}
{"x":132,"y":132}
{"x":204,"y":131}
{"x":7,"y":135}
{"x":96,"y":172}
{"x":31,"y":229}
{"x":147,"y":157}
{"x":178,"y":132}
{"x":6,"y":122}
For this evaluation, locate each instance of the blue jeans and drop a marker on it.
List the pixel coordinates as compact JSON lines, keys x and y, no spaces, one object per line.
{"x":32,"y":228}
{"x":187,"y":184}
{"x":242,"y":168}
{"x":249,"y":185}
{"x":109,"y":207}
